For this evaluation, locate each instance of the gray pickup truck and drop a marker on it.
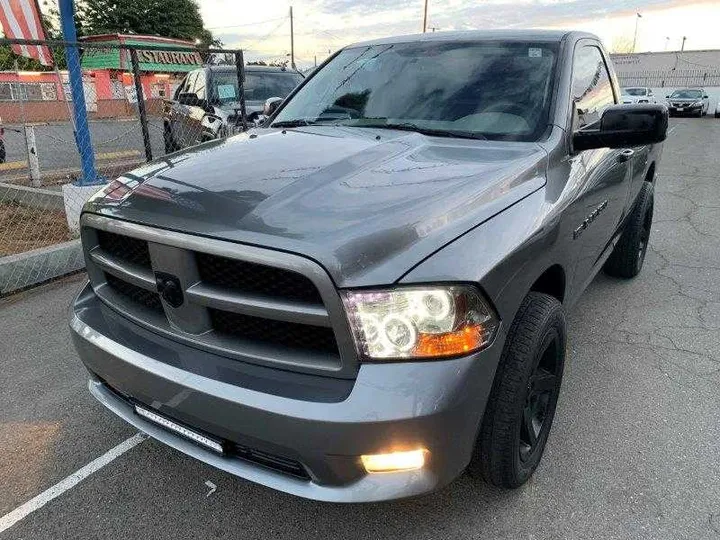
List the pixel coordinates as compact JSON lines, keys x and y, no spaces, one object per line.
{"x":367,"y":297}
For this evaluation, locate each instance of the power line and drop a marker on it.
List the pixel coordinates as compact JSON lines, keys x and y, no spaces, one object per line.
{"x":246,"y":24}
{"x":271,"y":32}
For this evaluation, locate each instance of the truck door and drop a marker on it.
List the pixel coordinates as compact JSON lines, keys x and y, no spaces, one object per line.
{"x":179,"y":112}
{"x":198,"y":111}
{"x":607,"y":172}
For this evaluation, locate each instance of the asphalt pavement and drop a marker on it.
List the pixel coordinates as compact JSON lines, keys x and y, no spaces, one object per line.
{"x":114,"y":141}
{"x":633,"y":453}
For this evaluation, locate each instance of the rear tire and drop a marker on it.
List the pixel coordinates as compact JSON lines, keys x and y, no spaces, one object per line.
{"x":628,"y":257}
{"x":3,"y":154}
{"x":521,"y":407}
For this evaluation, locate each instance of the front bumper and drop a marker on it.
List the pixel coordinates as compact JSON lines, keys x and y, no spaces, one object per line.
{"x":395,"y":406}
{"x":690,"y":109}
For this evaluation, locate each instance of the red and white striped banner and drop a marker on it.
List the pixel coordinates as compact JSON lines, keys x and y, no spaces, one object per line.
{"x":20,"y":19}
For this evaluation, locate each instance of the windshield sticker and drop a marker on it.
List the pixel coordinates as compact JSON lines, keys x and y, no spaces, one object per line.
{"x":534,"y":53}
{"x":226,"y":91}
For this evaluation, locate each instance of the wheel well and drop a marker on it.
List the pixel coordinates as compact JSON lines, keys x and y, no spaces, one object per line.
{"x":552,"y":282}
{"x":650,"y":176}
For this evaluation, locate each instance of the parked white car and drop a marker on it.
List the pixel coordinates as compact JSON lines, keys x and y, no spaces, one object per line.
{"x":637,"y":95}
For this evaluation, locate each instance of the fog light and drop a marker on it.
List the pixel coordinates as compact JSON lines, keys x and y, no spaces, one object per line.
{"x":394,"y":461}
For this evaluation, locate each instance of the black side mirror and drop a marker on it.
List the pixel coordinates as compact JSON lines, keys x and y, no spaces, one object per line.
{"x":626,"y":125}
{"x":271,"y":105}
{"x":667,"y":96}
{"x":706,"y":97}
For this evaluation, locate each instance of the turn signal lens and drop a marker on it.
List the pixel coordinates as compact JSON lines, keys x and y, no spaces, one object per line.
{"x":467,"y":339}
{"x":420,"y":322}
{"x":394,"y":461}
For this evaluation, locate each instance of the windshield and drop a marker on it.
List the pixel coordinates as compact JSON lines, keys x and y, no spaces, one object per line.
{"x":686,"y":94}
{"x":498,"y":90}
{"x":259,"y":86}
{"x":634,"y":91}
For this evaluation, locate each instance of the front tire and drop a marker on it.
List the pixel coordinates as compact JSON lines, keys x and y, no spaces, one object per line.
{"x":521,"y":407}
{"x":628,"y":257}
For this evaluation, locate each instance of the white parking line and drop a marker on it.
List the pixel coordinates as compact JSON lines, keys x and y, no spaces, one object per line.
{"x":673,"y":129}
{"x":11,"y":518}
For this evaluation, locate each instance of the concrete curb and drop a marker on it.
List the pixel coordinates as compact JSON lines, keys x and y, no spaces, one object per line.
{"x":24,"y":269}
{"x":45,"y":199}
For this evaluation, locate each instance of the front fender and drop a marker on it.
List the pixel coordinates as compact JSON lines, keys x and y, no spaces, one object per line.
{"x":505,"y":255}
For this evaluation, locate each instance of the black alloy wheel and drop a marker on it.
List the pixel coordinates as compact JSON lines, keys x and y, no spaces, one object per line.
{"x":541,"y":398}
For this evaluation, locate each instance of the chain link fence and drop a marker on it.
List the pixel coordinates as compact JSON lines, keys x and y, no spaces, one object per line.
{"x":678,"y":78}
{"x":133,"y":115}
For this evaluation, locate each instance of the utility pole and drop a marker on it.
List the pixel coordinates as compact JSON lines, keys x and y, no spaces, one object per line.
{"x":637,"y":20}
{"x":425,"y":17}
{"x":292,"y":41}
{"x":682,"y":48}
{"x":316,"y":60}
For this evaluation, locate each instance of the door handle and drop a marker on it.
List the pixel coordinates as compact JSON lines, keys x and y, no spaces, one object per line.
{"x":625,"y":155}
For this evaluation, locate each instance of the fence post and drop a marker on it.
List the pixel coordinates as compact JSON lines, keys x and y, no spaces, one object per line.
{"x":240,"y":67}
{"x":33,"y":163}
{"x":82,"y":131}
{"x":141,"y":104}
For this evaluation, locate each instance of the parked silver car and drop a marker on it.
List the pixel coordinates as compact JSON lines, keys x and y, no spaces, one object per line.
{"x":691,"y":101}
{"x":367,"y":297}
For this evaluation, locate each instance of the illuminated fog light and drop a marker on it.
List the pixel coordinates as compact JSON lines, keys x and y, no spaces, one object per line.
{"x":180,"y":430}
{"x":394,"y":461}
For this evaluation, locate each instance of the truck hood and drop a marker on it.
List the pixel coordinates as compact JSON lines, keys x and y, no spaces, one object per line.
{"x":367,"y":204}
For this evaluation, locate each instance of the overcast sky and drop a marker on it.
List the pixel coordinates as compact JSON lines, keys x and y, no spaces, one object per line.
{"x":262,"y":27}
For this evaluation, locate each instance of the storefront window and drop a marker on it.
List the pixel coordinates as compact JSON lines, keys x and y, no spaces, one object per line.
{"x":27,"y":92}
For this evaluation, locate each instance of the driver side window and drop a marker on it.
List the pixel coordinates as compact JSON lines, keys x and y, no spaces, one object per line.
{"x":591,"y":87}
{"x":200,"y":85}
{"x":190,"y":83}
{"x":182,"y":87}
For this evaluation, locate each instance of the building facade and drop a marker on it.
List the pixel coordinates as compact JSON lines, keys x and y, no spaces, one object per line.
{"x":108,"y":84}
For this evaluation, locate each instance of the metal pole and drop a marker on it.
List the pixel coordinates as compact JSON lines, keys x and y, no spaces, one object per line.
{"x":33,"y":163}
{"x":292,"y":41}
{"x":682,"y":48}
{"x":240,"y":66}
{"x":141,"y":104}
{"x":425,"y":17}
{"x":82,"y":130}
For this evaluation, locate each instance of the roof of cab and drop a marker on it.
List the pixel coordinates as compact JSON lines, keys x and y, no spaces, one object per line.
{"x":480,"y":35}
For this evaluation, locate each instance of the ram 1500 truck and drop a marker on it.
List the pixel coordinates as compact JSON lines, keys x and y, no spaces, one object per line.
{"x":366,"y":297}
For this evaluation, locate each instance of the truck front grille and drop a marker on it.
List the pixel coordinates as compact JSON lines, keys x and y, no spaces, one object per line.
{"x":299,"y":336}
{"x":125,"y":248}
{"x":256,"y":278}
{"x":235,"y":301}
{"x":135,"y":294}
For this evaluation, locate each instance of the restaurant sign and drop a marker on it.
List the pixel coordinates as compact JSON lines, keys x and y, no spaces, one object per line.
{"x":150,"y":59}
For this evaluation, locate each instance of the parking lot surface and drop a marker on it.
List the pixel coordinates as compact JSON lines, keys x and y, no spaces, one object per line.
{"x":633,"y":453}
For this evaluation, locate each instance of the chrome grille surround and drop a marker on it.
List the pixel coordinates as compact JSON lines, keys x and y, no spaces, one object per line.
{"x":176,"y":253}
